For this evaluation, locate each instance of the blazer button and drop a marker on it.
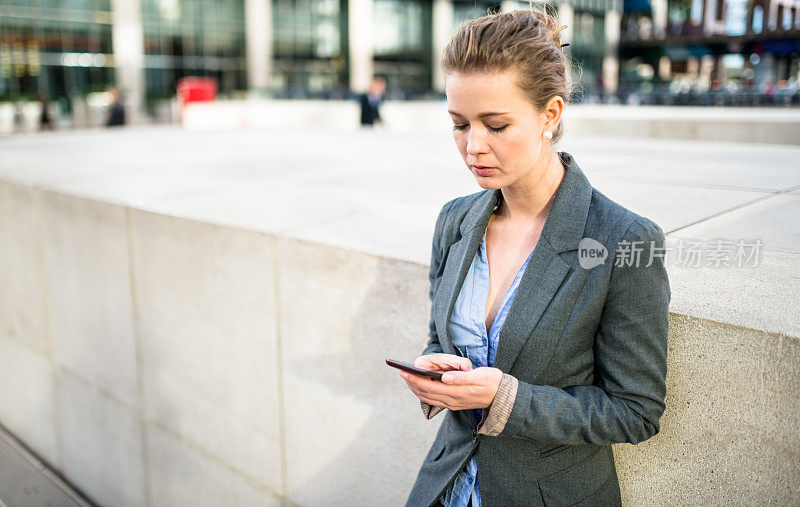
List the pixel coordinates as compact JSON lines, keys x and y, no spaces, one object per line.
{"x":475,"y":436}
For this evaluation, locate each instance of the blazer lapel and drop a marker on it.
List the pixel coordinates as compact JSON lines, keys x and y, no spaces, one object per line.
{"x":542,"y":278}
{"x":546,"y":271}
{"x":459,"y":258}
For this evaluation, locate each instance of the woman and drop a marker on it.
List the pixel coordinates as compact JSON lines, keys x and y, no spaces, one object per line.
{"x":549,"y":301}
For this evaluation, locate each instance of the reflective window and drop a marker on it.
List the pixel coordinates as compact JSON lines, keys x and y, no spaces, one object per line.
{"x":736,"y":17}
{"x":402,"y":45}
{"x":697,"y":12}
{"x":62,"y":48}
{"x":193,"y":38}
{"x":758,"y":19}
{"x":397,"y":28}
{"x":588,"y":47}
{"x":309,"y":46}
{"x":466,"y":10}
{"x":787,"y":18}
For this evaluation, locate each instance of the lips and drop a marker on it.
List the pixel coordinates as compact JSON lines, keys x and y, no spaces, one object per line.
{"x":482,"y":170}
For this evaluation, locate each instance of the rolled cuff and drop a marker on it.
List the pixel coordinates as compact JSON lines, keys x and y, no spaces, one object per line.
{"x":494,"y":419}
{"x":429,"y":410}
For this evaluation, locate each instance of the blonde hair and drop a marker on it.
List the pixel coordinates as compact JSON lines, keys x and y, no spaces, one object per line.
{"x":525,"y":41}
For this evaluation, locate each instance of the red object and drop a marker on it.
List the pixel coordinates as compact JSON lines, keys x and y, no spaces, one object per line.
{"x":195,"y":89}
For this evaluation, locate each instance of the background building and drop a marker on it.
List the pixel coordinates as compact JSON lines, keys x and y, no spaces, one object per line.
{"x":290,"y":48}
{"x":670,"y":50}
{"x":704,"y":51}
{"x":60,"y":47}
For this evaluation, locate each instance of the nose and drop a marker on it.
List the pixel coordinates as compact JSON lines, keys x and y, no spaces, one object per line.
{"x":476,"y":142}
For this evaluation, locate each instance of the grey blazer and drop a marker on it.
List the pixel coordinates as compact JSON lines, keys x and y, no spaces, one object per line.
{"x":587,"y":345}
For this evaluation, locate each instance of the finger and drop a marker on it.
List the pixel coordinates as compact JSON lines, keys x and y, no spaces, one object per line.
{"x":418,"y":379}
{"x":434,"y":388}
{"x":415,"y":383}
{"x":443,"y":362}
{"x":459,"y":378}
{"x":431,"y":399}
{"x":417,"y":392}
{"x":445,"y":401}
{"x":436,"y":365}
{"x":453,"y":365}
{"x":453,"y":361}
{"x":433,"y":403}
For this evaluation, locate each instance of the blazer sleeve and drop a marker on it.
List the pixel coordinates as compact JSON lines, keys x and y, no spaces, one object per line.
{"x":626,"y":400}
{"x":437,"y":254}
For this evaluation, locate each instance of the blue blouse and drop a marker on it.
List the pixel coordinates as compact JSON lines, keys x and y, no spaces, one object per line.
{"x":467,"y":329}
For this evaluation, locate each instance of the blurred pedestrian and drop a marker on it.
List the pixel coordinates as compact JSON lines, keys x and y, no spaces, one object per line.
{"x":371,"y":101}
{"x":45,"y":121}
{"x":116,"y":115}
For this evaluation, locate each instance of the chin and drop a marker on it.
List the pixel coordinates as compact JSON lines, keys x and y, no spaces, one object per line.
{"x":487,"y":183}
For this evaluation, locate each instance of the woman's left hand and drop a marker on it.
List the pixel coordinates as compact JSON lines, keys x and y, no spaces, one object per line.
{"x":458,"y":390}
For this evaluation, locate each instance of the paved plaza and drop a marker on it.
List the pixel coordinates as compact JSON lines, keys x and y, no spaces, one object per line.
{"x":379,"y":192}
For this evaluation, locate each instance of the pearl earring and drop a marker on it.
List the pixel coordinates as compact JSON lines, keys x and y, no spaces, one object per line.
{"x":548,"y":134}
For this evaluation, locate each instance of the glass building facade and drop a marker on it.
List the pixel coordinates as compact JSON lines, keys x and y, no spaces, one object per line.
{"x":401,"y":37}
{"x":726,"y":52}
{"x":193,"y":38}
{"x":65,"y":47}
{"x":465,"y":10}
{"x":62,"y":47}
{"x":588,"y":30}
{"x":309,"y":43}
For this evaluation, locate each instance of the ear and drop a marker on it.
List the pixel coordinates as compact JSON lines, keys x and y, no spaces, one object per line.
{"x":552,"y":113}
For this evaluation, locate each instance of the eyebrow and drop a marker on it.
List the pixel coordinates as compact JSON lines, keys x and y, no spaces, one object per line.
{"x":482,"y":115}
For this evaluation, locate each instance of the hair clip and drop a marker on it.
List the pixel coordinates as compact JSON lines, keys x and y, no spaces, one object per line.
{"x":564,"y":45}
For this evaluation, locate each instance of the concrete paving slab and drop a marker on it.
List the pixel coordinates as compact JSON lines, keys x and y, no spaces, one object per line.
{"x":180,"y":474}
{"x":140,"y":189}
{"x":764,"y":296}
{"x":208,"y":346}
{"x":731,"y":398}
{"x":740,"y":167}
{"x":27,"y":387}
{"x":262,"y":206}
{"x":89,"y":292}
{"x":102,"y":444}
{"x":355,"y":300}
{"x":22,"y":289}
{"x":669,"y":206}
{"x":772,"y":220}
{"x":390,"y":233}
{"x":784,"y":115}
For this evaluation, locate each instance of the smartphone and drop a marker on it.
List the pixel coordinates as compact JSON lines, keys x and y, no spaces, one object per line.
{"x":410,"y":368}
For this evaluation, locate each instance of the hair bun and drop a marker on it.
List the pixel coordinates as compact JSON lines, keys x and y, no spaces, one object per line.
{"x":550,"y":25}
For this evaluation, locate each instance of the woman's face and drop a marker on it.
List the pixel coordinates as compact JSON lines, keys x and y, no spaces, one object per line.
{"x":497,"y":129}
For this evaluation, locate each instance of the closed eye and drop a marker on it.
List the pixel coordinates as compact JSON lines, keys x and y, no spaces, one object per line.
{"x":464,"y":126}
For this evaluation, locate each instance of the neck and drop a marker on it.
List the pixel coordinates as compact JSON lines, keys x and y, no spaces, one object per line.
{"x":530,"y":198}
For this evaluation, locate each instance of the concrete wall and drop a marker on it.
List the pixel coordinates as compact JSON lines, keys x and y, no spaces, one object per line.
{"x":154,"y":360}
{"x":748,"y":125}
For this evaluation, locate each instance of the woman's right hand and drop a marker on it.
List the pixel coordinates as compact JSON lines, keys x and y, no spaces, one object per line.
{"x":443,"y":362}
